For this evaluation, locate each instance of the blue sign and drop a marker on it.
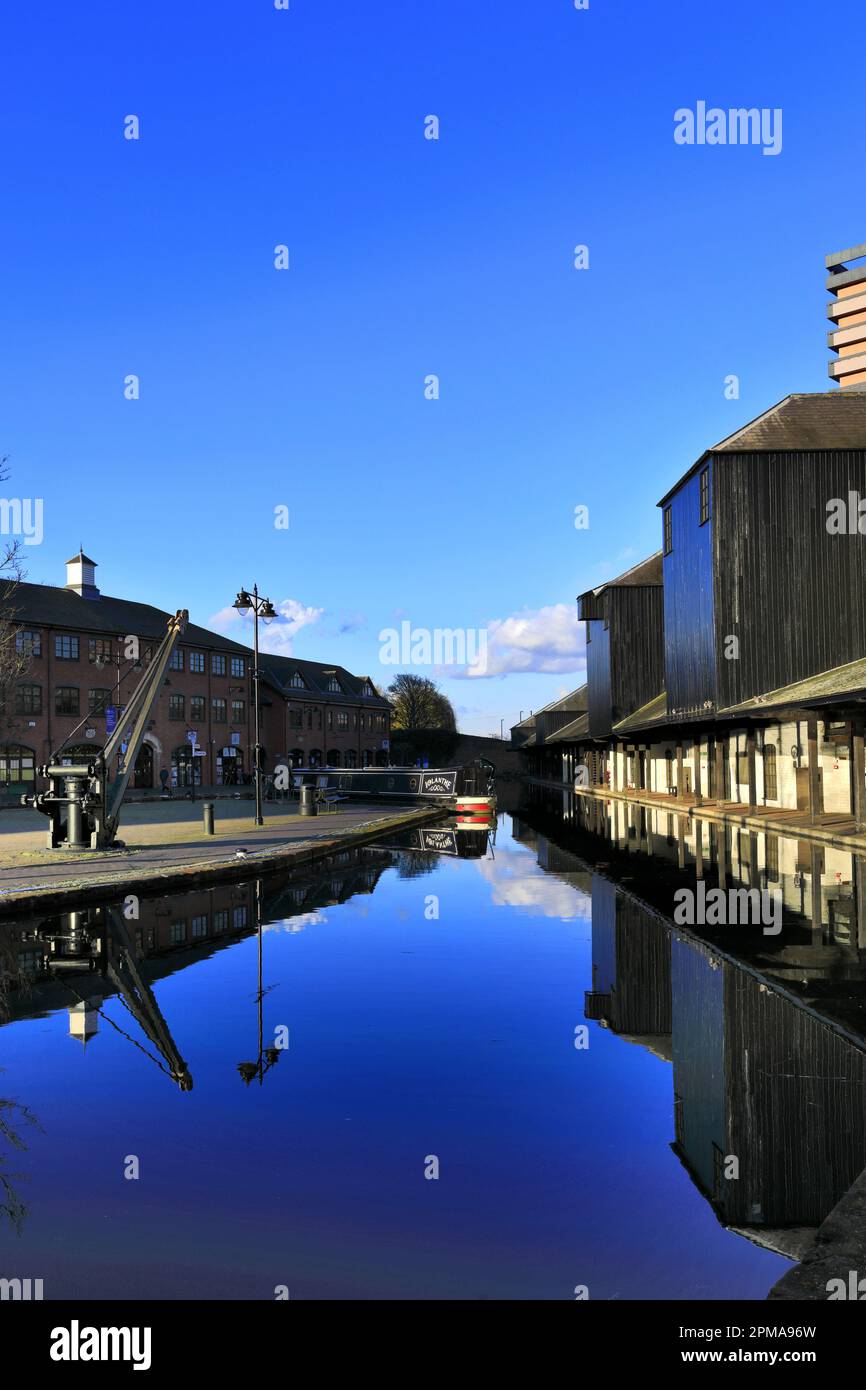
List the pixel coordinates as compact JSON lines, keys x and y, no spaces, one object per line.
{"x":110,"y":719}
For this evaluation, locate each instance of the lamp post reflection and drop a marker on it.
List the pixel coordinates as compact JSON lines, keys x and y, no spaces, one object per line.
{"x":268,"y":1056}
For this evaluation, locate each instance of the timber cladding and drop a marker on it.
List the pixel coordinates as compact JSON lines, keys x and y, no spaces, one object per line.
{"x":790,"y":591}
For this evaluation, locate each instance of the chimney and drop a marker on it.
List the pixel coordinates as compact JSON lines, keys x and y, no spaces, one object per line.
{"x":81,"y":577}
{"x":847,"y":310}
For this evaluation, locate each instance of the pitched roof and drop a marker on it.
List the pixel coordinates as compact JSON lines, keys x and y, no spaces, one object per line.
{"x":45,"y":605}
{"x":803,"y":421}
{"x":315,"y":675}
{"x":647,"y":572}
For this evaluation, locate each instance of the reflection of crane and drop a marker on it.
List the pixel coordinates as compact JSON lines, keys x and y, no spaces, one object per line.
{"x":98,"y":940}
{"x":82,"y":803}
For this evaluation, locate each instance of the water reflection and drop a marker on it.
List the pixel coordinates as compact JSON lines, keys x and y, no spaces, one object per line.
{"x":764,"y":1033}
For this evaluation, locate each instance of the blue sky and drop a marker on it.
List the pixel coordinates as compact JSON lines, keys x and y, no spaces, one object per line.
{"x":408,"y":257}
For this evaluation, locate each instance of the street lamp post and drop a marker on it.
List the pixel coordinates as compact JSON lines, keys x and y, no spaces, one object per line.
{"x":264,"y":609}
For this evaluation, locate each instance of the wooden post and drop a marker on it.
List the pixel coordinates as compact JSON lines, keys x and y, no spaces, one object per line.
{"x":814,"y":785}
{"x":723,"y":856}
{"x":860,"y":900}
{"x":817,"y":925}
{"x":750,"y":757}
{"x":696,"y":776}
{"x":679,"y":768}
{"x":720,"y":768}
{"x":858,"y":774}
{"x":699,"y":848}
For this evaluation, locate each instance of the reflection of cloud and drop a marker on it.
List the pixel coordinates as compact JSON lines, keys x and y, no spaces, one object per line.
{"x":293,"y":924}
{"x":517,"y":881}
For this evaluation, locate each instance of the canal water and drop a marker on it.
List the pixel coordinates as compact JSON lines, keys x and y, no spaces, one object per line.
{"x":449,"y":1066}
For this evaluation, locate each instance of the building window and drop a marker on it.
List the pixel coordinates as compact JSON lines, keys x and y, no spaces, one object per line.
{"x":178,"y":933}
{"x":100,"y":649}
{"x":176,"y":707}
{"x":239,"y":714}
{"x":771,"y":866}
{"x":220,"y":921}
{"x":296,"y":719}
{"x":771,"y":779}
{"x":218,"y":664}
{"x":176,"y":662}
{"x":705,"y":495}
{"x":333,"y":759}
{"x":218,"y":708}
{"x":199,"y":926}
{"x":239,"y":917}
{"x":197,"y":708}
{"x":342,"y":719}
{"x":668,"y":542}
{"x":351,"y":758}
{"x":17,"y":764}
{"x":363,"y":723}
{"x":28,"y":699}
{"x":297,"y":682}
{"x":333,"y":685}
{"x":239,"y":666}
{"x":66,"y":648}
{"x":28,"y":643}
{"x":66,"y":699}
{"x":196,"y":663}
{"x":97,"y":700}
{"x":368,"y":688}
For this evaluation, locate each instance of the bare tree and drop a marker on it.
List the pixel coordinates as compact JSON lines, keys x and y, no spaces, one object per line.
{"x":418,"y":703}
{"x":13,"y":663}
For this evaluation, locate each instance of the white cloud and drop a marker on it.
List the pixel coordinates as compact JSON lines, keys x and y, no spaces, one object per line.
{"x":275,"y":637}
{"x":539,"y":640}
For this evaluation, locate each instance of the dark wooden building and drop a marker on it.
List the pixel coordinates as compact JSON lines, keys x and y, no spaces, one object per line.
{"x":624,"y":644}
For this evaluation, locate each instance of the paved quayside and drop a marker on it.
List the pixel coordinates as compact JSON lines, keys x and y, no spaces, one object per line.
{"x":165,"y":843}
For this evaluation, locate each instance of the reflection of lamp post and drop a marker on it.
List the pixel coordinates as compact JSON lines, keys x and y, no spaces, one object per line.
{"x":268,"y":1056}
{"x":264,"y":609}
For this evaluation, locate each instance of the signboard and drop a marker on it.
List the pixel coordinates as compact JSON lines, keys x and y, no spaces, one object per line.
{"x":192,"y":737}
{"x":235,"y":739}
{"x":110,"y":719}
{"x":386,"y":743}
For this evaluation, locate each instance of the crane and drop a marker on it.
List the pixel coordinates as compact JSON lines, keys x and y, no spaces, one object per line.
{"x":82,"y":802}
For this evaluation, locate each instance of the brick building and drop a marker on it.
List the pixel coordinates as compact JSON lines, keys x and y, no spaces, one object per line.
{"x":80,"y":675}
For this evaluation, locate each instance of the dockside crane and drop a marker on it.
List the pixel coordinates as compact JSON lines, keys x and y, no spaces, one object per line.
{"x":82,"y":801}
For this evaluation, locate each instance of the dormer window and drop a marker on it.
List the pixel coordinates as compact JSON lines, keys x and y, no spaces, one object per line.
{"x":297,"y":681}
{"x":368,"y":688}
{"x":333,"y":685}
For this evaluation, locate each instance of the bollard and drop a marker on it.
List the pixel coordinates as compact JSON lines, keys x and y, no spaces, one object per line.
{"x":207,"y":814}
{"x":308,"y":802}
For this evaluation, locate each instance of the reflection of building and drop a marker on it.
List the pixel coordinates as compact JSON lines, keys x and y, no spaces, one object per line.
{"x":631,"y":989}
{"x":766,"y":1083}
{"x":763,"y":1086}
{"x":79,"y":669}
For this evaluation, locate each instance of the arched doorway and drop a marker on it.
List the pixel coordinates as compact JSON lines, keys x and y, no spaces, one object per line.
{"x":367,"y":757}
{"x":230,"y":767}
{"x":296,"y":757}
{"x":334,"y":758}
{"x":184,"y":767}
{"x":315,"y":757}
{"x":351,"y":758}
{"x":382,"y":758}
{"x":142,"y":775}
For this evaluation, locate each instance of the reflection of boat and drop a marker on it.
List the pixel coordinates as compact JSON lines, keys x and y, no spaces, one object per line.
{"x":454,"y":840}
